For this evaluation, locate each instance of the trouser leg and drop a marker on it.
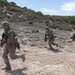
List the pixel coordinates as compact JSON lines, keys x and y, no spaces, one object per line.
{"x":5,"y":57}
{"x":49,"y":44}
{"x":12,"y":53}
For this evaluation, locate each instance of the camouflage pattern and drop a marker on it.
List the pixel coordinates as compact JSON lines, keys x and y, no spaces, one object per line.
{"x":51,"y":38}
{"x":9,"y":46}
{"x":73,"y":37}
{"x":5,"y":23}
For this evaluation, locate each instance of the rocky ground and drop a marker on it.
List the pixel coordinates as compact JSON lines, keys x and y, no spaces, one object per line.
{"x":40,"y":60}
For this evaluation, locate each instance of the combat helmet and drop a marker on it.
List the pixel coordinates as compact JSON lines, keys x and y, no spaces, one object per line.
{"x":47,"y":27}
{"x":5,"y":23}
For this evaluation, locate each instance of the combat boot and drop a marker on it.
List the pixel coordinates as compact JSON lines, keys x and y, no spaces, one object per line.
{"x":23,"y":57}
{"x":57,"y":45}
{"x":7,"y":68}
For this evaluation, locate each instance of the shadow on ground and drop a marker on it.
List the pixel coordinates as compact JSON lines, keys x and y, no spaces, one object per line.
{"x":54,"y":50}
{"x":18,"y":71}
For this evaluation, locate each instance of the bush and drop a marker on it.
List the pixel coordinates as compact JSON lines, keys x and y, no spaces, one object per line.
{"x":70,"y":20}
{"x":14,"y":9}
{"x":30,"y":22}
{"x":13,"y":3}
{"x":35,"y":31}
{"x":25,"y":8}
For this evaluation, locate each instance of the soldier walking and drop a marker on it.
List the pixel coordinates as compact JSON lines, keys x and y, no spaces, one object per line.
{"x":73,"y":35}
{"x":50,"y":37}
{"x":10,"y":43}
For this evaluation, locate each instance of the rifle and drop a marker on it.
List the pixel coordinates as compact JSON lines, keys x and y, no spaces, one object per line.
{"x":46,"y":37}
{"x":1,"y":41}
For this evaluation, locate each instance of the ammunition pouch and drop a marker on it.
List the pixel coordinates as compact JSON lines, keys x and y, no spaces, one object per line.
{"x":16,"y":43}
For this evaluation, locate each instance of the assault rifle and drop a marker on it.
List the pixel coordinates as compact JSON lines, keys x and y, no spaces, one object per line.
{"x":1,"y":41}
{"x":46,"y":37}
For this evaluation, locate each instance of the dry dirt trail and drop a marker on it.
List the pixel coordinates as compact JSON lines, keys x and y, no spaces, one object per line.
{"x":40,"y":60}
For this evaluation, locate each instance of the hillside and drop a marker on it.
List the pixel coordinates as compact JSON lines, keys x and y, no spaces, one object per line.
{"x":12,"y":12}
{"x":40,"y":60}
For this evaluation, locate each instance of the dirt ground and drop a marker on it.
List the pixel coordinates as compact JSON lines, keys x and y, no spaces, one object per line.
{"x":40,"y":60}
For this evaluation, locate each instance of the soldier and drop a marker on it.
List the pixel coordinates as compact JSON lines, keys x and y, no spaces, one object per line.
{"x":73,"y":34}
{"x":9,"y":41}
{"x":73,"y":37}
{"x":49,"y":36}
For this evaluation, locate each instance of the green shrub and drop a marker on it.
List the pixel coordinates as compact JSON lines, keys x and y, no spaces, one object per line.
{"x":35,"y":31}
{"x":30,"y":22}
{"x":70,"y":20}
{"x":13,"y":3}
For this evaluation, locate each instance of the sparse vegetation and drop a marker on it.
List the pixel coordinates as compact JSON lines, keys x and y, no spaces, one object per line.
{"x":13,"y":3}
{"x":30,"y":22}
{"x":35,"y":31}
{"x":70,"y":20}
{"x":25,"y":14}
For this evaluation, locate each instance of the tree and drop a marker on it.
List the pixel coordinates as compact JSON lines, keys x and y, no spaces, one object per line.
{"x":4,"y":0}
{"x":13,"y":3}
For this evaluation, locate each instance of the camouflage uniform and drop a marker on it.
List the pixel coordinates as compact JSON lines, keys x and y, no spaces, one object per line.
{"x":49,"y":35}
{"x":73,"y":35}
{"x":9,"y":42}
